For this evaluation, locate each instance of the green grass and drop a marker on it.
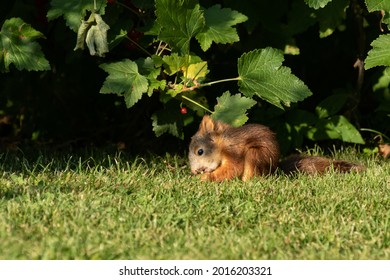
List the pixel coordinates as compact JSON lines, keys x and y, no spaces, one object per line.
{"x":111,"y":207}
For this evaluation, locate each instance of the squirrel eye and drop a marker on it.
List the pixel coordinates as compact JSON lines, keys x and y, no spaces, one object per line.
{"x":200,"y":152}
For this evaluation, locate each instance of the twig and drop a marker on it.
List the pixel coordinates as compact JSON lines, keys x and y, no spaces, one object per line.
{"x":197,"y":104}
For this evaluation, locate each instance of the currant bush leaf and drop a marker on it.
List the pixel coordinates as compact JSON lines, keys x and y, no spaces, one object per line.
{"x":196,"y":71}
{"x":219,"y":26}
{"x":18,"y":47}
{"x":174,"y":63}
{"x":380,"y":5}
{"x":232,"y":109}
{"x":331,"y":17}
{"x":73,"y":11}
{"x":261,"y":73}
{"x":179,"y":21}
{"x":335,"y":127}
{"x":93,"y":32}
{"x":150,"y":70}
{"x":82,"y":32}
{"x":379,"y":55}
{"x":96,"y":37}
{"x":168,"y":120}
{"x":331,"y":105}
{"x":317,"y":4}
{"x":377,"y":5}
{"x":124,"y":79}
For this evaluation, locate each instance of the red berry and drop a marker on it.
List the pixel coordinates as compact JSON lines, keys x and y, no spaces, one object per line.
{"x":110,"y":1}
{"x":183,"y":110}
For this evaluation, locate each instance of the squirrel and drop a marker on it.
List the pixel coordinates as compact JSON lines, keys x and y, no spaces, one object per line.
{"x":221,"y":152}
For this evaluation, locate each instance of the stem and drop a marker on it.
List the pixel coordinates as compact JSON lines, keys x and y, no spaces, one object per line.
{"x":158,"y":48}
{"x":94,"y":5}
{"x":210,"y":84}
{"x":162,"y":49}
{"x":375,"y":131}
{"x":220,"y":81}
{"x":197,"y":104}
{"x":139,"y":46}
{"x":128,"y":8}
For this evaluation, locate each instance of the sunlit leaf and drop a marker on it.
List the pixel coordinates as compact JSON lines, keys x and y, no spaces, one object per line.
{"x":261,"y":73}
{"x":219,"y":26}
{"x":18,"y":46}
{"x":73,"y":11}
{"x":317,"y":4}
{"x":331,"y":105}
{"x":97,"y":37}
{"x":377,"y":5}
{"x":196,"y":71}
{"x":124,"y":79}
{"x":336,"y":127}
{"x":379,"y":55}
{"x":232,"y":109}
{"x":179,"y":21}
{"x":174,"y":63}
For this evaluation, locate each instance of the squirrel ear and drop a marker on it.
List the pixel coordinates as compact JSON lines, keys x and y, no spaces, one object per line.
{"x":206,"y":125}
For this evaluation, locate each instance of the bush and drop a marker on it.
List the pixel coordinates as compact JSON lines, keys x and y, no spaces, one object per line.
{"x":298,"y":66}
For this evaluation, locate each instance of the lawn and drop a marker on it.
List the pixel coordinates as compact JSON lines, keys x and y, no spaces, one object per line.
{"x":109,"y":206}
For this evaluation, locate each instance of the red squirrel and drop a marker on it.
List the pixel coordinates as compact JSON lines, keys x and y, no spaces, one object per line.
{"x":221,"y":152}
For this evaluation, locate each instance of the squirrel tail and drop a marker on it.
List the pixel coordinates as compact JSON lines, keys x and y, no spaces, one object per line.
{"x":317,"y":165}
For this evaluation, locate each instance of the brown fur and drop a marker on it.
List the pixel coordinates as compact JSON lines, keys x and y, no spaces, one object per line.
{"x":317,"y":165}
{"x":222,"y":152}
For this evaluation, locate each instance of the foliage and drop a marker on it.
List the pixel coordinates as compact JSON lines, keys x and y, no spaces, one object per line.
{"x":261,"y":74}
{"x":221,"y":59}
{"x":96,"y":206}
{"x":18,"y":47}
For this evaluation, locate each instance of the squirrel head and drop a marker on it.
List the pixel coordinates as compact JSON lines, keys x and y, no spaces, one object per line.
{"x":205,"y":151}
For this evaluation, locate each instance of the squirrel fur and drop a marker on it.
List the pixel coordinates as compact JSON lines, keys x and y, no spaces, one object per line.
{"x":221,"y":152}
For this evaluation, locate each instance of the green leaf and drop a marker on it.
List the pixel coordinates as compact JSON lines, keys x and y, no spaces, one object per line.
{"x":261,"y":73}
{"x":332,"y":17}
{"x":316,"y":4}
{"x":336,"y":127}
{"x":331,"y":105}
{"x":219,"y":26}
{"x":124,"y":78}
{"x":73,"y":11}
{"x":179,"y":21}
{"x":299,"y":17}
{"x":196,"y":71}
{"x":150,"y":70}
{"x":18,"y":47}
{"x":383,"y":81}
{"x":174,"y":63}
{"x":379,"y":55}
{"x":168,"y":120}
{"x":119,"y":37}
{"x":168,"y":127}
{"x":377,"y":5}
{"x":380,"y":5}
{"x":232,"y":109}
